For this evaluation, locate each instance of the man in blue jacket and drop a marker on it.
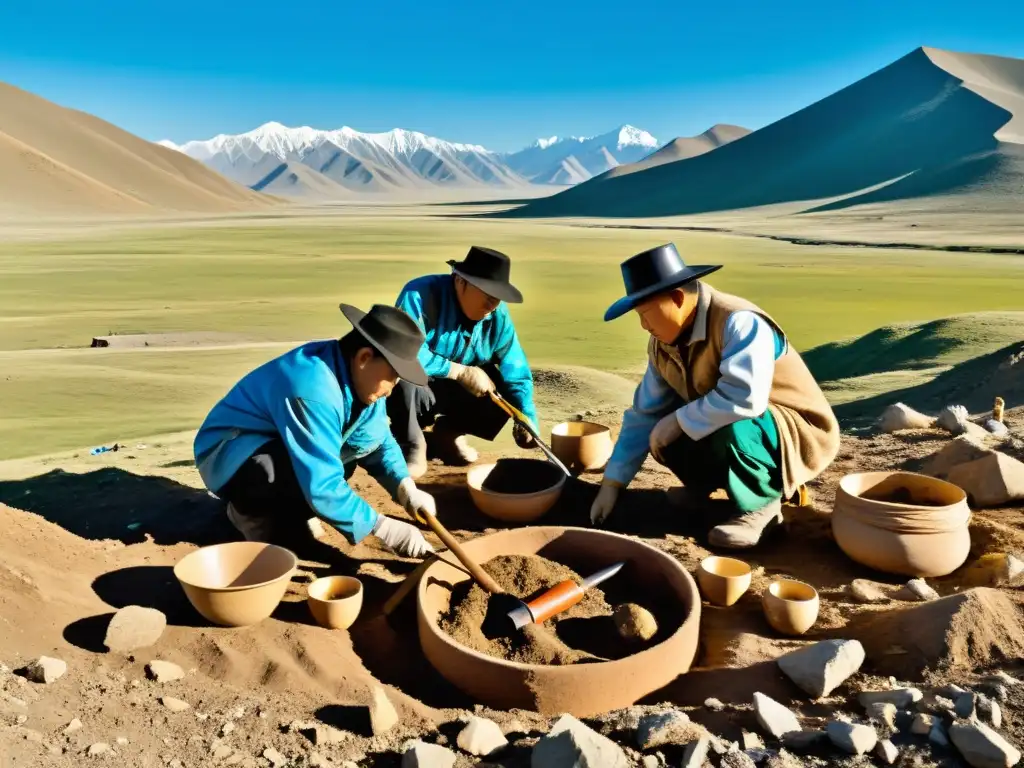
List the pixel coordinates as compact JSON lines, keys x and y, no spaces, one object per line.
{"x":471,"y":349}
{"x":282,"y":444}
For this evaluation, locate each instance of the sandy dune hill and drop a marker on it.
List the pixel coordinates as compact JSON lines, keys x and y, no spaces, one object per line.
{"x":58,"y":160}
{"x":945,"y":128}
{"x":683,"y":148}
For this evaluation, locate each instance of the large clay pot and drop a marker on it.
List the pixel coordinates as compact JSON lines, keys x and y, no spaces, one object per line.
{"x":924,"y":534}
{"x":583,"y":446}
{"x":582,"y":690}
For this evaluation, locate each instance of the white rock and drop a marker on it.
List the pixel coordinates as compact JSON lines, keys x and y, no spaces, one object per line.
{"x":419,"y":754}
{"x":773,"y":717}
{"x":660,"y":728}
{"x":571,"y":743}
{"x":952,"y":691}
{"x":222,"y":752}
{"x":918,"y":589}
{"x":886,"y":751}
{"x":821,"y":668}
{"x":164,"y":671}
{"x":46,"y":670}
{"x":173,"y":704}
{"x":74,"y":725}
{"x":714,"y":705}
{"x":982,"y":747}
{"x":954,"y":419}
{"x":750,"y":741}
{"x":995,"y":427}
{"x":696,"y":753}
{"x":99,"y":748}
{"x":900,"y":697}
{"x":226,"y":729}
{"x":316,"y":760}
{"x":1005,"y":679}
{"x":865,"y":591}
{"x":899,"y":416}
{"x":481,"y":737}
{"x":134,"y":627}
{"x":991,"y":711}
{"x":922,"y":724}
{"x":383,"y":715}
{"x":650,"y":761}
{"x":851,"y":737}
{"x":276,"y":758}
{"x":883,"y":712}
{"x":122,"y":741}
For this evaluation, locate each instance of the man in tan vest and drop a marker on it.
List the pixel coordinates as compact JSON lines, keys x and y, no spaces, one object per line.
{"x":725,"y":401}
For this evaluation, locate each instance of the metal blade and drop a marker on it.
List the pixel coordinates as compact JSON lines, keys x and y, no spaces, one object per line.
{"x":603,"y":575}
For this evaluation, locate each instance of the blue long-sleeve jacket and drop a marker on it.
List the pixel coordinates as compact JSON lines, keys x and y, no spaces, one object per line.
{"x":305,"y":396}
{"x":452,"y":338}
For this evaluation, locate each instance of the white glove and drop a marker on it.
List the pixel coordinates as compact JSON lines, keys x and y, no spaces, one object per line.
{"x":473,"y":379}
{"x":267,"y":463}
{"x":604,"y":503}
{"x":665,"y":432}
{"x":404,"y":539}
{"x":416,"y":501}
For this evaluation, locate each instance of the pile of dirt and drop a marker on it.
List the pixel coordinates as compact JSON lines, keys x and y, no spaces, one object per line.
{"x":521,"y":476}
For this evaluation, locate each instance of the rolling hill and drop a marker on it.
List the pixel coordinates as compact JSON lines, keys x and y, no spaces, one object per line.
{"x":936,"y":126}
{"x":55,"y":160}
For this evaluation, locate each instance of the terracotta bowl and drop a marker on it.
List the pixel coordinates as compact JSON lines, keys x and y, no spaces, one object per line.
{"x":723,"y":580}
{"x":582,"y":690}
{"x":583,"y":446}
{"x":790,"y":606}
{"x":335,"y":601}
{"x":513,"y":507}
{"x":902,"y":523}
{"x":238,"y":583}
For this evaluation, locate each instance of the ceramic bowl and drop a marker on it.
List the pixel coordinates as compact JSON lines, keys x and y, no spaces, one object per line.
{"x":723,"y":580}
{"x":790,"y":606}
{"x":514,"y":507}
{"x":583,"y":446}
{"x":335,"y":601}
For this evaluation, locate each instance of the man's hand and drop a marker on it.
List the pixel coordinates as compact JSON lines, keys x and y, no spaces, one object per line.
{"x":404,"y":539}
{"x":605,"y":502}
{"x":522,"y":437}
{"x":665,"y":432}
{"x":474,"y":380}
{"x":416,"y":501}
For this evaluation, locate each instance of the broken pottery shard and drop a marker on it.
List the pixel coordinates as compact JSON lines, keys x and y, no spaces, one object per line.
{"x":883,"y":712}
{"x":481,"y":737}
{"x":821,"y":668}
{"x":922,"y":724}
{"x":802,"y":741}
{"x":696,"y":753}
{"x":898,"y":416}
{"x":864,"y":591}
{"x":918,"y":590}
{"x":660,"y":728}
{"x":851,"y":737}
{"x":419,"y":754}
{"x":901,"y":697}
{"x":173,"y":704}
{"x":982,"y":747}
{"x":134,"y":627}
{"x":571,"y":743}
{"x":383,"y":716}
{"x":164,"y":671}
{"x":46,"y":670}
{"x":886,"y":751}
{"x":773,"y":717}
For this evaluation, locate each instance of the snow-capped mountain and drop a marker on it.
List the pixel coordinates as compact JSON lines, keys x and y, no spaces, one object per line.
{"x":577,"y":158}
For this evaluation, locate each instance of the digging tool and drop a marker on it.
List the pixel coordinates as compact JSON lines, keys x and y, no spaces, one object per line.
{"x":409,"y":582}
{"x":519,"y":417}
{"x":560,"y":597}
{"x":479,"y":574}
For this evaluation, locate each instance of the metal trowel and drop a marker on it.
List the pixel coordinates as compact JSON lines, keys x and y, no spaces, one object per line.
{"x":560,"y":597}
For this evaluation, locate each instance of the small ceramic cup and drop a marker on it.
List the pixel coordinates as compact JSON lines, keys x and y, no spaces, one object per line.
{"x":335,"y":601}
{"x":790,"y":606}
{"x":723,"y":580}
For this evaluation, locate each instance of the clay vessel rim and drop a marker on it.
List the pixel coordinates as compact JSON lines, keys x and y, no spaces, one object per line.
{"x":945,"y":485}
{"x":778,"y":583}
{"x":477,"y":471}
{"x":569,"y":669}
{"x":708,"y":563}
{"x":559,"y":430}
{"x":324,"y":581}
{"x":179,"y":567}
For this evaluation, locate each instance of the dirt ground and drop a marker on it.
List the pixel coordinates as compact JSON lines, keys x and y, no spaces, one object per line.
{"x":85,"y":535}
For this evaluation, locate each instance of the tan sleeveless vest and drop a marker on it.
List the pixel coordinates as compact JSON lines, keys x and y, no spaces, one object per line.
{"x":808,"y":430}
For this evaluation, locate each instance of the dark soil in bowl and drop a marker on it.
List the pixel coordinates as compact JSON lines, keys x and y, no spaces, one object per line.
{"x":521,"y":476}
{"x":901,"y":496}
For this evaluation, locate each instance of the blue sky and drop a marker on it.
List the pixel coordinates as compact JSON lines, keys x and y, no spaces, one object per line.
{"x":499,"y":77}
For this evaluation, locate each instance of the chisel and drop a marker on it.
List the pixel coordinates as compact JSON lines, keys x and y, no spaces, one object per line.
{"x":560,"y":597}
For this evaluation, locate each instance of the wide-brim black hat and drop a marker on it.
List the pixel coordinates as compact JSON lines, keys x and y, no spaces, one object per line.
{"x":394,"y":334}
{"x":488,"y":270}
{"x":652,"y":272}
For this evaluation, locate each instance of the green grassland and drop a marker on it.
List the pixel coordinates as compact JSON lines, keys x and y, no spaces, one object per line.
{"x":282,"y":281}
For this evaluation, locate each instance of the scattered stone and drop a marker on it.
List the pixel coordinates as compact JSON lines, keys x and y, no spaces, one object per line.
{"x":990,"y":710}
{"x":954,"y":419}
{"x":851,"y":737}
{"x":46,"y":670}
{"x":801,"y":741}
{"x":658,"y":729}
{"x":237,"y":713}
{"x":886,"y":751}
{"x":773,"y":717}
{"x":714,"y":705}
{"x":222,"y":752}
{"x":965,"y":705}
{"x":173,"y":704}
{"x":720,"y":746}
{"x":865,"y":591}
{"x":821,"y":668}
{"x":99,"y":748}
{"x":995,"y":427}
{"x":883,"y":712}
{"x":937,"y":735}
{"x":164,"y":671}
{"x":276,"y":758}
{"x":737,"y":760}
{"x":481,"y":737}
{"x":634,"y":622}
{"x":918,"y":590}
{"x":570,"y":742}
{"x":316,"y":760}
{"x":651,"y":761}
{"x":226,"y":729}
{"x":750,"y":741}
{"x":383,"y":715}
{"x":996,"y":690}
{"x":122,"y":741}
{"x":1005,"y":679}
{"x":696,"y":753}
{"x":74,"y":725}
{"x":994,"y":480}
{"x":922,"y":724}
{"x":951,"y":691}
{"x":134,"y":627}
{"x":901,"y":698}
{"x":982,"y":747}
{"x":941,"y":704}
{"x":419,"y":754}
{"x":899,"y":416}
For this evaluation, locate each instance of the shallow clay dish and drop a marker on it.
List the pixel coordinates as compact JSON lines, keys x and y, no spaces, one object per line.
{"x":582,"y":690}
{"x":790,"y":606}
{"x":723,"y":580}
{"x":238,"y":583}
{"x":583,"y":446}
{"x":514,"y":507}
{"x":335,"y":601}
{"x":902,"y":523}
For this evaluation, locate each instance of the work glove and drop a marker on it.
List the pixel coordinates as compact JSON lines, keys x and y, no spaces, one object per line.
{"x":267,"y":464}
{"x":416,"y":501}
{"x":473,"y":379}
{"x":522,"y":436}
{"x":605,"y":502}
{"x":665,"y":432}
{"x":405,"y":539}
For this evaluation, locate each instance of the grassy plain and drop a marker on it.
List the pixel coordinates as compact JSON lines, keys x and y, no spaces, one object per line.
{"x":281,"y":281}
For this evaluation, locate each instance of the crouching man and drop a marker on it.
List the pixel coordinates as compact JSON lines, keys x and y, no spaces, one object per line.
{"x":282,"y":444}
{"x":471,"y":349}
{"x":725,"y":401}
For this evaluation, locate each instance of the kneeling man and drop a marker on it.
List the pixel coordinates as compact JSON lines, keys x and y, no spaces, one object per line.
{"x":471,"y":350}
{"x":282,"y":444}
{"x":725,"y":401}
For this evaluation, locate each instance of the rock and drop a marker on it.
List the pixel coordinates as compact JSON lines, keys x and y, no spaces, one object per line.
{"x":164,"y":671}
{"x":419,"y":754}
{"x":714,"y":705}
{"x":651,"y":761}
{"x":851,"y":737}
{"x":31,"y":735}
{"x":951,"y":691}
{"x":865,"y":591}
{"x":571,"y":743}
{"x":1004,"y":679}
{"x":658,"y":729}
{"x":982,"y":747}
{"x":883,"y":712}
{"x":901,"y":698}
{"x":737,"y":760}
{"x":991,"y":481}
{"x":919,"y":591}
{"x":134,"y":627}
{"x":922,"y":724}
{"x":749,"y":741}
{"x":316,"y":760}
{"x":954,"y":419}
{"x":937,"y":735}
{"x":226,"y":729}
{"x":773,"y":717}
{"x":481,"y":737}
{"x":634,"y":622}
{"x":173,"y":704}
{"x":898,"y":416}
{"x":886,"y":751}
{"x":965,"y":705}
{"x":990,"y":710}
{"x":994,"y":427}
{"x":276,"y":758}
{"x":222,"y":752}
{"x":821,"y":668}
{"x":383,"y":715}
{"x":46,"y":670}
{"x":802,"y":741}
{"x":696,"y":753}
{"x":74,"y":725}
{"x":99,"y":748}
{"x":122,"y":741}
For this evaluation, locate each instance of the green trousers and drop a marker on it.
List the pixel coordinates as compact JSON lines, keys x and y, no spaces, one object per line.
{"x":743,"y":458}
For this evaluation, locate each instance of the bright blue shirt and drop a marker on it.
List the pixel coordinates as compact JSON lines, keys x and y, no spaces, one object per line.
{"x":452,"y":338}
{"x":306,"y":398}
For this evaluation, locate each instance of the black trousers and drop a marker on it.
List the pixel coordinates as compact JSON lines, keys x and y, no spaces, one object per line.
{"x":411,"y":408}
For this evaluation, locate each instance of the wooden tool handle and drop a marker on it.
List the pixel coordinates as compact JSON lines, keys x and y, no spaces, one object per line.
{"x":408,"y":585}
{"x":560,"y":597}
{"x":478,"y":573}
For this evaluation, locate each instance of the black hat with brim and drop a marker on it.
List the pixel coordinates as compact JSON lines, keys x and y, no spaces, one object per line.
{"x":647,"y":274}
{"x":489,"y":270}
{"x":395,"y":335}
